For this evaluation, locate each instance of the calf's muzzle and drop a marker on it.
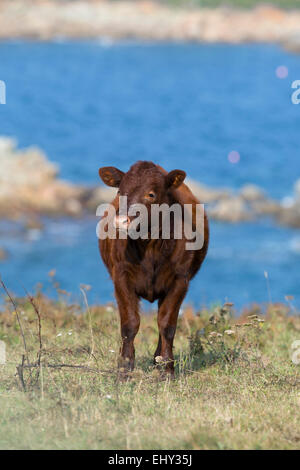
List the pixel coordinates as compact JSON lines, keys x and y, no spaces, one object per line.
{"x":121,"y":222}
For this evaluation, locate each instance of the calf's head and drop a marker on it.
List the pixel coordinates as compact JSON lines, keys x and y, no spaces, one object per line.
{"x":144,"y":184}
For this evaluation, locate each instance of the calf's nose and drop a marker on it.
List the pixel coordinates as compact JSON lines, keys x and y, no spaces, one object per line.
{"x":121,"y":222}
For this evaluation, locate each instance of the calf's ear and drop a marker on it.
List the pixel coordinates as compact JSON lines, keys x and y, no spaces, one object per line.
{"x":175,"y":178}
{"x":111,"y":176}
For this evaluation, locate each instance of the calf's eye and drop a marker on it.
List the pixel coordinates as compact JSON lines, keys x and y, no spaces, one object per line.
{"x":151,"y":194}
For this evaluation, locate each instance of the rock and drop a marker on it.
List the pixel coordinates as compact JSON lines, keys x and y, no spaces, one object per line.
{"x":265,"y":207}
{"x":28,"y":167}
{"x":7,"y":145}
{"x":3,"y":254}
{"x":100,"y":195}
{"x":232,"y":210}
{"x":33,"y":174}
{"x":290,"y":213}
{"x":73,"y":207}
{"x":36,"y":188}
{"x":290,"y":217}
{"x":292,"y":43}
{"x":270,"y":13}
{"x":251,"y":192}
{"x":207,"y":195}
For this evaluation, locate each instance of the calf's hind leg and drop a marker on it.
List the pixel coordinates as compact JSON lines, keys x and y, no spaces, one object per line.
{"x":167,"y":321}
{"x":158,"y":349}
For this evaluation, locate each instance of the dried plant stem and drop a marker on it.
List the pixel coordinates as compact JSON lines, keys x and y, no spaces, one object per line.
{"x":17,"y":315}
{"x":36,"y":309}
{"x":90,"y":321}
{"x":71,"y":366}
{"x":266,"y":274}
{"x":20,"y":369}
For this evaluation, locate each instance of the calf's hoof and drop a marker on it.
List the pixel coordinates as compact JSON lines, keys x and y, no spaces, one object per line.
{"x":126,"y":363}
{"x":165,"y":367}
{"x":123,"y":375}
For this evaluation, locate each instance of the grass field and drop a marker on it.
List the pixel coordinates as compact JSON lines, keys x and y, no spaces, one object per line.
{"x":236,"y":386}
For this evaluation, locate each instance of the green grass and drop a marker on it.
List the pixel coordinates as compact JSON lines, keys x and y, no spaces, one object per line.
{"x":232,"y":391}
{"x":286,"y":4}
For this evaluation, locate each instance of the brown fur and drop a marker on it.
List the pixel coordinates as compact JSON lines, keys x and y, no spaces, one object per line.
{"x":150,"y":269}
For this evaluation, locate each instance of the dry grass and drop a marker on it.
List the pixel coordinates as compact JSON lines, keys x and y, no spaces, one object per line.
{"x":236,"y":386}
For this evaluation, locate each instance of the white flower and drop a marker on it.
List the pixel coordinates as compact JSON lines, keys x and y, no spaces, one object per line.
{"x":159,"y":359}
{"x":214,"y":334}
{"x":108,"y":397}
{"x":229,"y":332}
{"x":59,"y":334}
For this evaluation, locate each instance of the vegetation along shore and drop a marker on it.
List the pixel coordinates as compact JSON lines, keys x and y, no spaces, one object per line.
{"x":148,"y":20}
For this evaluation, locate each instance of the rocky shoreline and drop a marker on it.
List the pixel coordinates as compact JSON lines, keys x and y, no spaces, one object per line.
{"x":30,"y":188}
{"x":146,"y":20}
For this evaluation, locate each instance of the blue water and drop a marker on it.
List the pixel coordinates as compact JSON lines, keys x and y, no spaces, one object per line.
{"x":89,"y":104}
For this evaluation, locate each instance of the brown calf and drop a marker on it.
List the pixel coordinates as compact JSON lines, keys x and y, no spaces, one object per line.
{"x":154,"y":269}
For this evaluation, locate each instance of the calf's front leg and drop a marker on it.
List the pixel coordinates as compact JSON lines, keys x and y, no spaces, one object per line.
{"x":128,"y":304}
{"x":167,"y":321}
